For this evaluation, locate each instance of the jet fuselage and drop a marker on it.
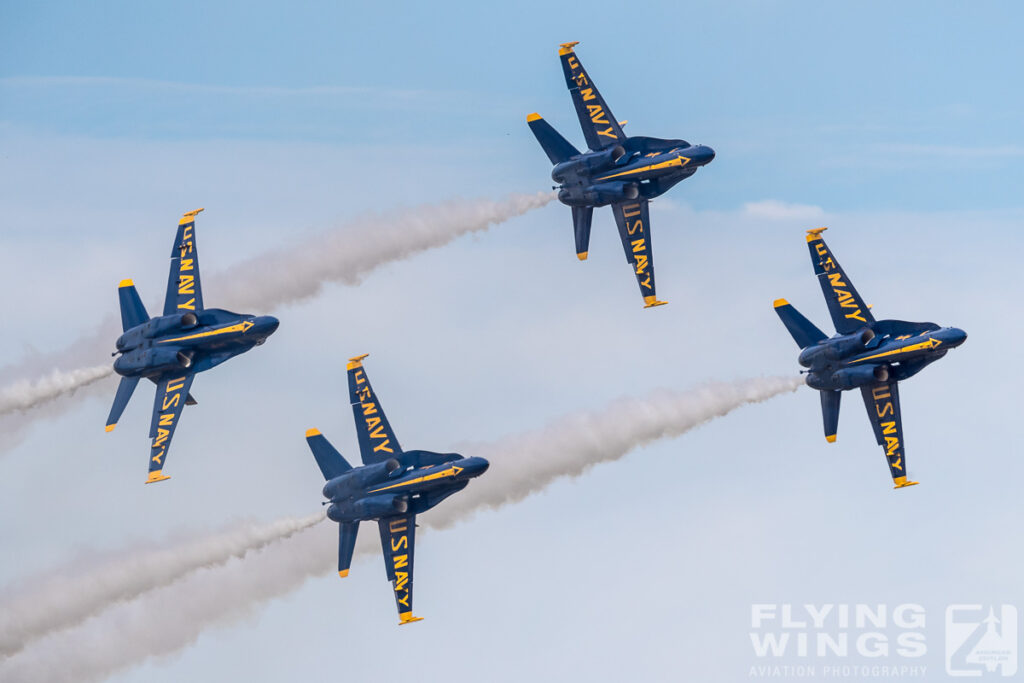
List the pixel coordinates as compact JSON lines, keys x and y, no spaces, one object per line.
{"x":876,"y":355}
{"x":640,"y":167}
{"x":189,"y":341}
{"x":387,"y":489}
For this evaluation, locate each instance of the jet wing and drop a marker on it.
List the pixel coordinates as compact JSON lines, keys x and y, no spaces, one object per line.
{"x":600,"y":127}
{"x":398,"y":540}
{"x":634,"y":222}
{"x":377,"y":441}
{"x":882,"y":401}
{"x":171,"y":397}
{"x":184,"y":292}
{"x":847,"y":308}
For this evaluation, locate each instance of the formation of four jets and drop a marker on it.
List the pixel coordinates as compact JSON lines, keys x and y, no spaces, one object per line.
{"x":393,"y":486}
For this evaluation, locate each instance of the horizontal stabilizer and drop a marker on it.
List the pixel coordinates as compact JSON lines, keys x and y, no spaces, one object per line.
{"x":121,"y":398}
{"x":582,"y":216}
{"x":331,"y":462}
{"x":346,"y":545}
{"x":555,"y":146}
{"x":830,"y":413}
{"x":804,"y":332}
{"x":133,"y":313}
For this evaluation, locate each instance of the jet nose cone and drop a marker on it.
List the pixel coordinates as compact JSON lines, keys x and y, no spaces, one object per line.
{"x":955,"y":336}
{"x":474,"y":467}
{"x":704,"y":155}
{"x":267,"y":325}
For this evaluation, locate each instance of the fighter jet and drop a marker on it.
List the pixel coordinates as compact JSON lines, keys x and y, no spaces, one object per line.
{"x":169,"y":350}
{"x":625,"y":172}
{"x":392,"y":486}
{"x":866,"y":354}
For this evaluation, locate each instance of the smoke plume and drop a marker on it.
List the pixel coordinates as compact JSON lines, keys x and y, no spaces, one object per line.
{"x":66,"y":599}
{"x":345,"y":254}
{"x":168,"y":619}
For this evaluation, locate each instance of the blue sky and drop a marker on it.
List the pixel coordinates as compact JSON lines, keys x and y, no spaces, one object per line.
{"x":898,"y":126}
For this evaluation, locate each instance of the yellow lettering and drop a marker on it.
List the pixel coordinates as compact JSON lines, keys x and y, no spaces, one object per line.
{"x":185,"y":284}
{"x":898,"y":465}
{"x":835,"y":279}
{"x":639,"y":245}
{"x":891,"y":444}
{"x":856,"y":315}
{"x":175,"y":384}
{"x":630,"y":210}
{"x":159,"y":457}
{"x":886,"y":409}
{"x":596,"y":113}
{"x":401,"y":578}
{"x":161,"y":436}
{"x":404,"y":600}
{"x":638,"y":226}
{"x":889,"y":427}
{"x":171,"y":401}
{"x":376,"y":429}
{"x":364,"y":393}
{"x":400,"y":543}
{"x":879,"y":393}
{"x":186,"y":264}
{"x":588,"y":94}
{"x":641,"y":264}
{"x":383,"y":447}
{"x":369,"y":409}
{"x":189,"y":305}
{"x":573,"y":64}
{"x":608,"y":133}
{"x":397,"y":526}
{"x":360,"y":379}
{"x":167,"y":420}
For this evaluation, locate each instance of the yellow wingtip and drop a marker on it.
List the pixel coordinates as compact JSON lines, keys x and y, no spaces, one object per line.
{"x":110,"y":428}
{"x":157,"y":475}
{"x":343,"y":573}
{"x":189,"y":216}
{"x":831,"y":438}
{"x":312,"y":432}
{"x":815,"y":234}
{"x":126,"y":283}
{"x":566,"y":48}
{"x":652,"y":301}
{"x":901,"y":483}
{"x":582,"y":256}
{"x":533,"y":117}
{"x":408,"y":618}
{"x":356,"y":362}
{"x":780,"y":302}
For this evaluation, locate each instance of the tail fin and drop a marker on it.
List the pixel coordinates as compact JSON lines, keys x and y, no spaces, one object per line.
{"x":331,"y":462}
{"x":830,"y":413}
{"x":121,"y":398}
{"x":346,"y":544}
{"x":802,"y":329}
{"x":557,"y":148}
{"x":581,"y":218}
{"x":600,"y":127}
{"x":132,"y":311}
{"x":845,"y":305}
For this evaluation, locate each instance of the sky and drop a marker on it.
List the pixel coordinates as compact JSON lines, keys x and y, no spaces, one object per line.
{"x":894,"y":125}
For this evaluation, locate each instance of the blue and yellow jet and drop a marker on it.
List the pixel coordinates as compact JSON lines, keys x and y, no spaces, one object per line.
{"x":392,"y":486}
{"x":171,"y":349}
{"x":872,"y":355}
{"x":625,"y":172}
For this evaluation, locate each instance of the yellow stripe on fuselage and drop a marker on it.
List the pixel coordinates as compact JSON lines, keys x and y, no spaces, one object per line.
{"x":450,"y":472}
{"x":240,"y":327}
{"x":930,"y":344}
{"x":678,"y":161}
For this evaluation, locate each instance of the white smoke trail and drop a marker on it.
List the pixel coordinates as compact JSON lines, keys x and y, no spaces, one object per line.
{"x":65,"y":599}
{"x":168,"y":619}
{"x":264,"y":283}
{"x":25,"y":394}
{"x":347,"y":255}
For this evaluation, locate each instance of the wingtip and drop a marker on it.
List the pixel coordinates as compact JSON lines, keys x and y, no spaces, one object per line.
{"x":313,"y":431}
{"x":582,"y":256}
{"x":652,"y":301}
{"x":408,"y":618}
{"x":530,"y":118}
{"x":831,"y":438}
{"x":815,"y":234}
{"x":566,"y":48}
{"x":157,"y":475}
{"x":126,"y":283}
{"x":902,"y":483}
{"x":356,"y":362}
{"x":189,"y":216}
{"x":343,"y":573}
{"x":110,"y":428}
{"x":778,"y":303}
